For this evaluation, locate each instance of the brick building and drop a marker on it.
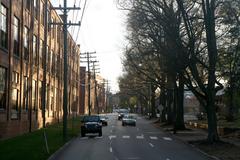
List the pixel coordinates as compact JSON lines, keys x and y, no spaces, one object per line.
{"x":21,"y":67}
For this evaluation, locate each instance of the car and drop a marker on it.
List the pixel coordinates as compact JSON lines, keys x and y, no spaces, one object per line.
{"x":121,"y":113}
{"x":91,"y":124}
{"x":128,"y":120}
{"x":103,"y":120}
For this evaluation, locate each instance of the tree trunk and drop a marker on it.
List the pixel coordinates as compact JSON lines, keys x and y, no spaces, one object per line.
{"x":153,"y":108}
{"x":212,"y":121}
{"x":169,"y":107}
{"x":180,"y":110}
{"x":230,"y":116}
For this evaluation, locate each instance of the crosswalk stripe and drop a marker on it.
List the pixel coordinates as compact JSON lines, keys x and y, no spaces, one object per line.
{"x":167,"y":138}
{"x":126,"y":137}
{"x":155,"y":138}
{"x":112,"y":136}
{"x":140,"y":137}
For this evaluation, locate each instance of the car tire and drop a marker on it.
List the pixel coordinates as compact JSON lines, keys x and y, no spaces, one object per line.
{"x":83,"y":134}
{"x":100,"y":133}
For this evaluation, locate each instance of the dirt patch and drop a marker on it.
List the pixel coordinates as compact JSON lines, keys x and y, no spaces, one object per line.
{"x":222,"y":150}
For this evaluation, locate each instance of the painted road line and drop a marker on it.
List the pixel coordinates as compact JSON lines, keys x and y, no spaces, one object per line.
{"x":110,"y":149}
{"x":126,"y":137}
{"x":140,"y":137}
{"x":151,"y":144}
{"x":167,"y":159}
{"x":154,"y":138}
{"x":167,"y":138}
{"x":112,"y":136}
{"x":98,"y":137}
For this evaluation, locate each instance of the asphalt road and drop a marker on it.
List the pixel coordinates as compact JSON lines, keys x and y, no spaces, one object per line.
{"x":143,"y":142}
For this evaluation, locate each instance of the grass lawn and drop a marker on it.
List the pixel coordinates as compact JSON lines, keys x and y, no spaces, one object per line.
{"x":32,"y":145}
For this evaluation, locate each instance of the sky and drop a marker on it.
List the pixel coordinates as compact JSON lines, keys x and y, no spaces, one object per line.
{"x":102,"y":30}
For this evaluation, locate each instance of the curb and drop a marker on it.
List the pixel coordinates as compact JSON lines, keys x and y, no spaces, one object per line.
{"x":190,"y":145}
{"x":194,"y":147}
{"x":54,"y":155}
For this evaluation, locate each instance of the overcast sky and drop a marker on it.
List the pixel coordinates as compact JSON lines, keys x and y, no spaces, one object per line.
{"x":103,"y":31}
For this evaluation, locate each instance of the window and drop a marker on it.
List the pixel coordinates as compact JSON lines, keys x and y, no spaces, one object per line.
{"x":41,"y":54}
{"x":34,"y":95}
{"x":40,"y":94}
{"x":25,"y":94}
{"x":26,"y":43}
{"x":28,"y":4}
{"x":3,"y":27}
{"x":41,"y":12}
{"x":53,"y":65}
{"x":35,"y":50}
{"x":15,"y":104}
{"x":35,"y":5}
{"x":16,"y":33}
{"x":15,"y":77}
{"x":3,"y":83}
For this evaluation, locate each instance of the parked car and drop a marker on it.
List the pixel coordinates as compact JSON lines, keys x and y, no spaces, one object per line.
{"x":121,"y":113}
{"x":91,"y":124}
{"x":128,"y":120}
{"x":104,"y":119}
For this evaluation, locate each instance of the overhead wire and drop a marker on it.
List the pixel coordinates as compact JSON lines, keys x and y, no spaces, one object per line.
{"x":84,"y":8}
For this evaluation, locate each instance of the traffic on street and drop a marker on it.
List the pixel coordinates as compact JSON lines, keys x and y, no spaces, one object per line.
{"x":140,"y":142}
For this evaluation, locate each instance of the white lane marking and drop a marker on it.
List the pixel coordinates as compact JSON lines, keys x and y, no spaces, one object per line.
{"x":126,"y":137}
{"x":110,"y":149}
{"x":84,"y":138}
{"x":155,"y":138}
{"x":112,"y":136}
{"x":167,"y":159}
{"x":151,"y":144}
{"x":140,"y":137}
{"x":167,"y":138}
{"x":98,"y":137}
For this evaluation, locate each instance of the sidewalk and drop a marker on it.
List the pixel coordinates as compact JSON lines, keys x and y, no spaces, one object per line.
{"x":227,"y":149}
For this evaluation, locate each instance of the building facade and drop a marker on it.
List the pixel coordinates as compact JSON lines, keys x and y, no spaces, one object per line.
{"x":21,"y":67}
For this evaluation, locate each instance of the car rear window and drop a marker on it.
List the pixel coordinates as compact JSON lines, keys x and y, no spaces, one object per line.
{"x":91,"y":119}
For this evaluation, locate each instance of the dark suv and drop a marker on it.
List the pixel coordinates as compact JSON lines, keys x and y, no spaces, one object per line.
{"x":91,"y":124}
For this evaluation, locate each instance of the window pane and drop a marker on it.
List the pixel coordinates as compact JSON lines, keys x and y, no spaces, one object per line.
{"x":26,"y":44}
{"x":35,"y":50}
{"x":3,"y":81}
{"x":16,"y":31}
{"x":15,"y":104}
{"x":3,"y":26}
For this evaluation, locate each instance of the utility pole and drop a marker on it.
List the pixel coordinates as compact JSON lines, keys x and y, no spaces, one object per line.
{"x":95,"y":85}
{"x":107,"y":83}
{"x":65,"y":25}
{"x":44,"y":63}
{"x":88,"y":57}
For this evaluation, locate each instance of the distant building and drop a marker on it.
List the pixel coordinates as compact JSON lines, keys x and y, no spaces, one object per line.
{"x":21,"y":67}
{"x":82,"y":90}
{"x":97,"y":95}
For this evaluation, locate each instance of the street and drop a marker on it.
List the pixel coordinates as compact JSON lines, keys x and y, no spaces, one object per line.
{"x":143,"y":142}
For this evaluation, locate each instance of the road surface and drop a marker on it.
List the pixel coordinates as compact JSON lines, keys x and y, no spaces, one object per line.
{"x":143,"y":142}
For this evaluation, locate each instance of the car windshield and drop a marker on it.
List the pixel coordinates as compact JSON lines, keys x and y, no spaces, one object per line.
{"x":128,"y":117}
{"x":102,"y":117}
{"x":91,"y":119}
